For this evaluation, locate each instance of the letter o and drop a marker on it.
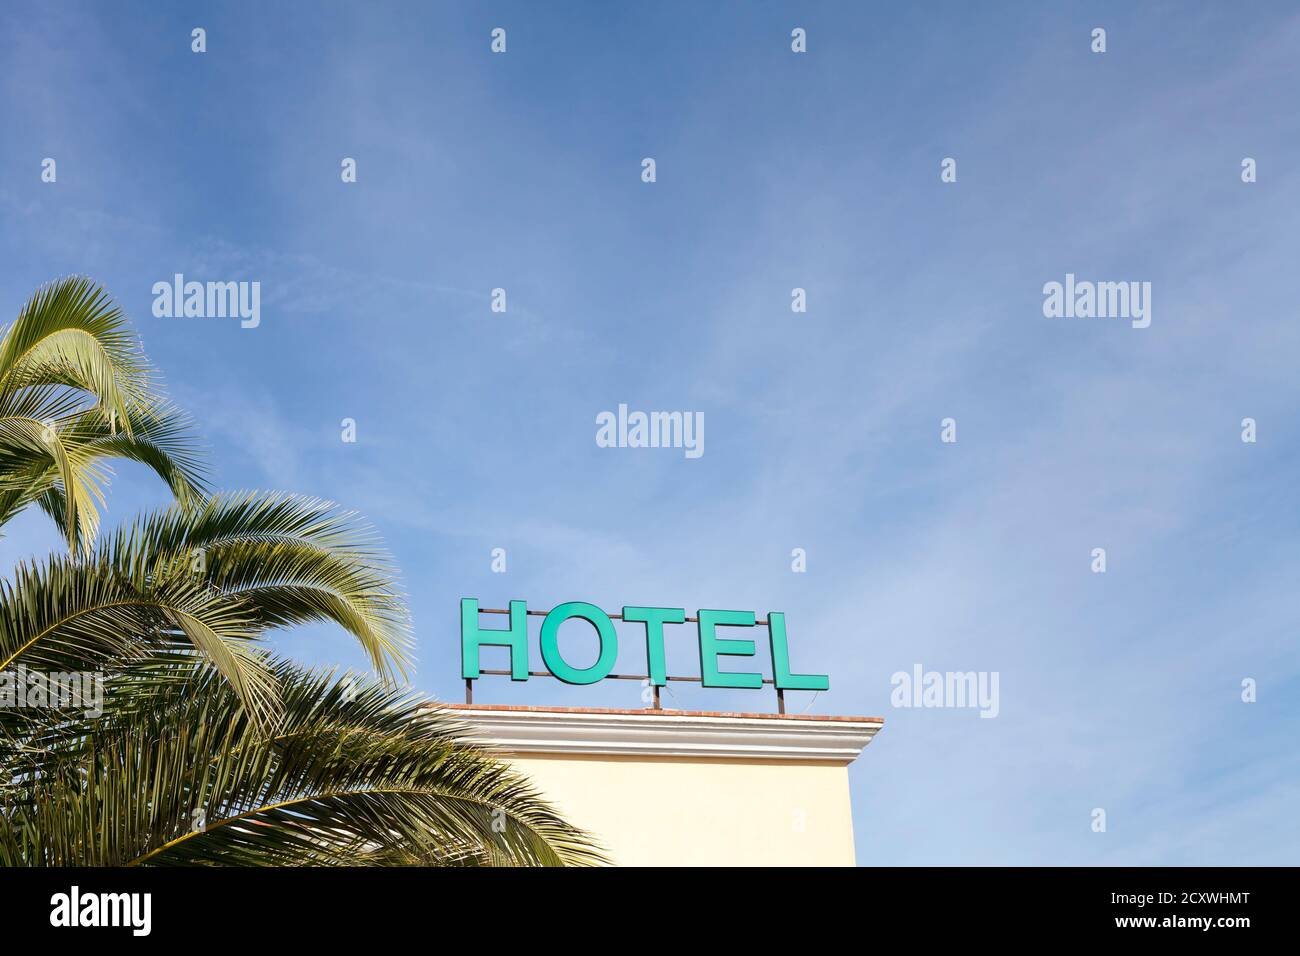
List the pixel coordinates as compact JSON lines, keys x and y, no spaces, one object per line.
{"x":598,"y":619}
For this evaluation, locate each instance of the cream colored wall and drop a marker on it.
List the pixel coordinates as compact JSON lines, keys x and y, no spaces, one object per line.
{"x":668,"y":811}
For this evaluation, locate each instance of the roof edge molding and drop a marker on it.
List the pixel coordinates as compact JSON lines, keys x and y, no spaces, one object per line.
{"x":666,"y":733}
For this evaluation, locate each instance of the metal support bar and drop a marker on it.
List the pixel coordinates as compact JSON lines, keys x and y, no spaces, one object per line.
{"x":758,"y":622}
{"x":691,"y":680}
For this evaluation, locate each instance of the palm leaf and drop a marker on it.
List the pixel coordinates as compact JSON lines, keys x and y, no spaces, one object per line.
{"x":287,"y":559}
{"x":358,"y":774}
{"x":75,"y":392}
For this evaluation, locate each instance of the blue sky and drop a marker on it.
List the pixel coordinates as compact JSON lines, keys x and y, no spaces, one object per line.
{"x":775,"y":170}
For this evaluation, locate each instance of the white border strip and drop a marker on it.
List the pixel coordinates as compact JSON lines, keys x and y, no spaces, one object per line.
{"x":665,"y":734}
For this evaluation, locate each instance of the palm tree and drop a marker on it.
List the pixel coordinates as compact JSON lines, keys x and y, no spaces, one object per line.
{"x":355,"y":774}
{"x":284,"y":765}
{"x":75,"y":391}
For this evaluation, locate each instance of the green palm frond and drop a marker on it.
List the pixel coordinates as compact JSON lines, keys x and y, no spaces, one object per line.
{"x":34,"y":441}
{"x":357,"y":774}
{"x":159,"y":440}
{"x":67,"y":614}
{"x":75,"y":392}
{"x":216,"y":576}
{"x":286,"y":559}
{"x":70,"y":333}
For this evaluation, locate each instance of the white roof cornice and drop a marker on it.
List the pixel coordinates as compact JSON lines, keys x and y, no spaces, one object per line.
{"x":667,"y":733}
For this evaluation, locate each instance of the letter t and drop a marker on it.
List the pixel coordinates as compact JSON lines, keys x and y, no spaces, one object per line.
{"x":654,"y":619}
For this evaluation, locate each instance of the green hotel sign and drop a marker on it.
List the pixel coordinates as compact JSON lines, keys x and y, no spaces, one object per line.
{"x":712,"y":646}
